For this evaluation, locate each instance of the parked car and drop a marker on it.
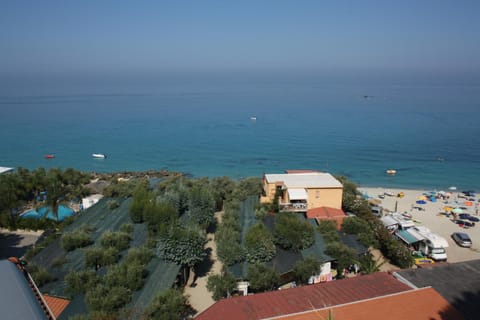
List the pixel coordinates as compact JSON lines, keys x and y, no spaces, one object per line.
{"x":464,"y":223}
{"x":469,"y":217}
{"x":462,"y":239}
{"x":474,"y":219}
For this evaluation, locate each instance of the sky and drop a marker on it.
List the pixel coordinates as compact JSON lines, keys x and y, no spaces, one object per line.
{"x":82,"y":39}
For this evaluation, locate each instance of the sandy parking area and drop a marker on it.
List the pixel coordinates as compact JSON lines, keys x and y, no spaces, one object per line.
{"x":16,"y":243}
{"x":432,"y":218}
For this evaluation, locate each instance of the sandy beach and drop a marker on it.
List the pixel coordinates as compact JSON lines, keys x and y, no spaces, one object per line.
{"x":432,"y":216}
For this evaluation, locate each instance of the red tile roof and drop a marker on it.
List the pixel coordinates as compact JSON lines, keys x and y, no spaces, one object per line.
{"x":56,"y":305}
{"x":325,"y":212}
{"x":288,"y":301}
{"x":300,"y":171}
{"x":421,"y":304}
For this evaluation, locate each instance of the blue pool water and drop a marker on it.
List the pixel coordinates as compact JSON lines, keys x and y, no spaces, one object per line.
{"x":63,"y":212}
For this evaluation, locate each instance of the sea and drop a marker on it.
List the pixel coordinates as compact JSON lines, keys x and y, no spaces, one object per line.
{"x":427,"y":133}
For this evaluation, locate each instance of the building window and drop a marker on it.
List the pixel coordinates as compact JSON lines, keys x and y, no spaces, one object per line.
{"x":317,"y":194}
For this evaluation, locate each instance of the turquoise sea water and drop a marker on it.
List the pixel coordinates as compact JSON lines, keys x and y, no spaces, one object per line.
{"x":427,"y":133}
{"x":63,"y":212}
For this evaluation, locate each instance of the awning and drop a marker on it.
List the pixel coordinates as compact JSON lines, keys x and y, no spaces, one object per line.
{"x":406,"y":236}
{"x":388,"y":221}
{"x":297,"y":194}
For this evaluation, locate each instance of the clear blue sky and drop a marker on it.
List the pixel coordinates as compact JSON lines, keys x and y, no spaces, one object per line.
{"x":134,"y":37}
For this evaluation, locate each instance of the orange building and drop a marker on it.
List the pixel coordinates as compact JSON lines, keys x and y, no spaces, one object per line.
{"x":300,"y":190}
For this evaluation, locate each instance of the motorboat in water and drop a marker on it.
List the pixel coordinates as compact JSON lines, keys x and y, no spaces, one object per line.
{"x":391,"y":171}
{"x":99,"y":155}
{"x":49,"y":156}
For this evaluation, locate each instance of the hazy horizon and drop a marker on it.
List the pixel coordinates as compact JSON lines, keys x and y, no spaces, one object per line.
{"x":120,"y":42}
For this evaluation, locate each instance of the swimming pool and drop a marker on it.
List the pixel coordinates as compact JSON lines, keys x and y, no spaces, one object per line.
{"x":63,"y":212}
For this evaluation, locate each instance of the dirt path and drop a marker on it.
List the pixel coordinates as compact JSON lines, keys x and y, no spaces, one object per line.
{"x":199,"y":297}
{"x":378,"y":256}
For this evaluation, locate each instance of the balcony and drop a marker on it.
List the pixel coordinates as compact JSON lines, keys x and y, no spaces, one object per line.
{"x":294,"y":207}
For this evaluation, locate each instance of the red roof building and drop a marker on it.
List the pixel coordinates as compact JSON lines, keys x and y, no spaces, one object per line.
{"x":55,"y":304}
{"x":300,"y":171}
{"x":305,"y":298}
{"x":416,"y":304}
{"x":327,"y":213}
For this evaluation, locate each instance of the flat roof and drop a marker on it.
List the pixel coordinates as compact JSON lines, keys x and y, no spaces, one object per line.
{"x":5,"y":169}
{"x":305,"y":180}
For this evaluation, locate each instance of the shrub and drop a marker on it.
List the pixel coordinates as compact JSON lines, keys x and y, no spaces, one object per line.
{"x":291,"y":233}
{"x":109,"y":299}
{"x":75,"y":239}
{"x":41,"y":276}
{"x":80,"y":281}
{"x":118,"y":240}
{"x":305,"y":268}
{"x":344,"y":255}
{"x":96,"y":256}
{"x":354,"y":225}
{"x":221,"y":285}
{"x":127,"y":228}
{"x":326,"y":226}
{"x":141,"y":255}
{"x":113,"y":204}
{"x":59,"y":261}
{"x":126,"y":275}
{"x":262,"y":278}
{"x":259,"y":245}
{"x":170,"y":304}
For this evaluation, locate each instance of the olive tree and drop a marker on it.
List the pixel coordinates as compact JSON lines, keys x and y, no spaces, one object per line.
{"x":259,"y":245}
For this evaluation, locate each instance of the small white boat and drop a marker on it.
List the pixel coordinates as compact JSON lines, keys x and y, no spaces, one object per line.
{"x":99,"y":155}
{"x":253,"y":118}
{"x":391,"y":171}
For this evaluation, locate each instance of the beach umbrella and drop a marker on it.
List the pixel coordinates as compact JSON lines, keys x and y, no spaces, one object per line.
{"x":421,"y":202}
{"x":468,"y":203}
{"x":457,"y":210}
{"x":447,"y":209}
{"x":422,"y":198}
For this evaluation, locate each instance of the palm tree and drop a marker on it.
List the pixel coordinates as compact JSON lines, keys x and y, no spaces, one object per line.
{"x":370,"y":265}
{"x":56,"y":190}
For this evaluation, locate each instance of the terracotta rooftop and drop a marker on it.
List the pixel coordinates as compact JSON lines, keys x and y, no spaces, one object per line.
{"x":325,"y":212}
{"x":305,"y":298}
{"x":421,"y":304}
{"x":300,"y":171}
{"x":56,"y":305}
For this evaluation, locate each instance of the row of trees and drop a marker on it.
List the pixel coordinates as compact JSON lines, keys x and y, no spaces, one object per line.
{"x":390,"y":247}
{"x":259,"y":247}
